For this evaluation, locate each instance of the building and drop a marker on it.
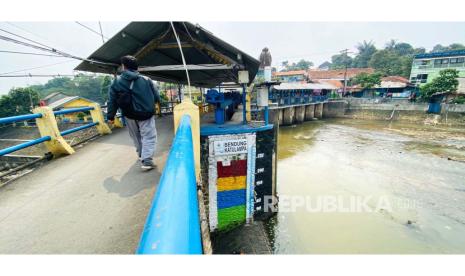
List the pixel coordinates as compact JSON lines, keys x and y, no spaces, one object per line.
{"x":392,"y":87}
{"x":59,"y":100}
{"x":300,"y":93}
{"x":338,"y":74}
{"x":291,"y":76}
{"x":426,"y":67}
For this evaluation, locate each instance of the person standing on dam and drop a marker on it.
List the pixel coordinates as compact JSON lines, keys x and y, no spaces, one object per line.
{"x":136,"y":96}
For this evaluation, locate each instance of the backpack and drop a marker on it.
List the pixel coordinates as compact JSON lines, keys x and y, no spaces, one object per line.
{"x":124,"y":100}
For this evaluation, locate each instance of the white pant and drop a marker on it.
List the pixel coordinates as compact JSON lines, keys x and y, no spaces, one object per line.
{"x":144,"y":136}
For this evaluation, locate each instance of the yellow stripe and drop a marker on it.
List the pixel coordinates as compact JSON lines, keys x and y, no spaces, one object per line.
{"x":231,"y":183}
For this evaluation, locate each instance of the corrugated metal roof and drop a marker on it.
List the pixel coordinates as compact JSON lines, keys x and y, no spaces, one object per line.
{"x":155,"y":47}
{"x":441,"y":54}
{"x":290,"y":73}
{"x":59,"y":103}
{"x":303,"y":86}
{"x":337,"y":74}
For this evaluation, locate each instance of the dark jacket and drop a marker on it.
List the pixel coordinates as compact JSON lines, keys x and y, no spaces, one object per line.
{"x":144,"y":93}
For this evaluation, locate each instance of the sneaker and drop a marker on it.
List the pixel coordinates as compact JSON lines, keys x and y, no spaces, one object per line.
{"x":147,"y":165}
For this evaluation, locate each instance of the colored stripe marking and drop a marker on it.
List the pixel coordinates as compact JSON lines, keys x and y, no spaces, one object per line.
{"x":231,"y":216}
{"x":232,"y":198}
{"x":237,"y":168}
{"x":231,"y":183}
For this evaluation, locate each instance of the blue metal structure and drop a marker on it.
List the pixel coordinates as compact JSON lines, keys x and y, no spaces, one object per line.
{"x":19,"y":118}
{"x":24,"y":145}
{"x":173,"y":223}
{"x":72,"y":130}
{"x":45,"y":138}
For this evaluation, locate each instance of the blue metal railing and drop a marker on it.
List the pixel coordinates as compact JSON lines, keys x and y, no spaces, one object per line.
{"x":26,"y":117}
{"x":173,"y":224}
{"x":72,"y":130}
{"x":72,"y":110}
{"x":19,"y":118}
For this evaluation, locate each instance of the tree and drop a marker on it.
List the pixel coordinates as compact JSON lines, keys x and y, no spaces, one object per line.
{"x":106,"y":82}
{"x":325,"y":65}
{"x":300,"y":65}
{"x":340,"y":61}
{"x":403,"y":49}
{"x":367,"y":81}
{"x":365,"y":52}
{"x":19,"y":101}
{"x":445,"y":82}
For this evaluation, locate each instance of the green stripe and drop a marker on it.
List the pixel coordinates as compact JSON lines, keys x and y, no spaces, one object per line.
{"x":229,"y":217}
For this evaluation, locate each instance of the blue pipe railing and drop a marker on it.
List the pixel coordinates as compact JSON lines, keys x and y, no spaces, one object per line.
{"x":24,"y":145}
{"x":72,"y":110}
{"x":72,"y":130}
{"x":26,"y":117}
{"x":19,"y":118}
{"x":173,"y":224}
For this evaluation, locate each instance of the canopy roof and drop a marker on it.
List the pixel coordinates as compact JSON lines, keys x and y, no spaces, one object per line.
{"x":209,"y":59}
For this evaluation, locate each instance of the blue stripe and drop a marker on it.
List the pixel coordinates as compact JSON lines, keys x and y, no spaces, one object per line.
{"x":231,"y":198}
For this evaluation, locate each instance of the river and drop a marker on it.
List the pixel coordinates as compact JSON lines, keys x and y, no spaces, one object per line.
{"x":412,"y":176}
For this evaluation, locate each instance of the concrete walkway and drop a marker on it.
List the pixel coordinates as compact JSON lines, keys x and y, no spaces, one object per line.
{"x":92,"y":202}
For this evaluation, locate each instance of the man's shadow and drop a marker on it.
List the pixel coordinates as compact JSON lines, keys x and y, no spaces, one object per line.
{"x":132,"y":182}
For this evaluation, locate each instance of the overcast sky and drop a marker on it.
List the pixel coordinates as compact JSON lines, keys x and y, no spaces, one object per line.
{"x":313,"y":41}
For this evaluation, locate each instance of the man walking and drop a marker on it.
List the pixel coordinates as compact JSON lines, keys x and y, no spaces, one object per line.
{"x":136,"y":96}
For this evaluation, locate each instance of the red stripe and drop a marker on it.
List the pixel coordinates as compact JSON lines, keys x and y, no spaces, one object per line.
{"x":237,"y":168}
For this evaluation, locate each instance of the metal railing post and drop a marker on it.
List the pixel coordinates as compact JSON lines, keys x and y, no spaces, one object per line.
{"x":47,"y":126}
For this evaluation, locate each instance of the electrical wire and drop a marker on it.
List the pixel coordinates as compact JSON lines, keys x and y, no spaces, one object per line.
{"x":36,"y":76}
{"x":101,"y":32}
{"x":33,"y":68}
{"x":183,"y":60}
{"x":92,"y":30}
{"x":53,"y":50}
{"x":29,"y":53}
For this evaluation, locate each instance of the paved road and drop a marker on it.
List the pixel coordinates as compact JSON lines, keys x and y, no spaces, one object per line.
{"x":94,"y":201}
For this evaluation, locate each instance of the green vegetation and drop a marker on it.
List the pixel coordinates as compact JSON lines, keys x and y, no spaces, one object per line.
{"x":18,"y":101}
{"x":301,"y":65}
{"x":395,"y":59}
{"x":445,"y":82}
{"x":367,"y":81}
{"x":88,"y":86}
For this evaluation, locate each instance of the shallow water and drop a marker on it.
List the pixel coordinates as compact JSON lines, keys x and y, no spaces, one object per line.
{"x":412,"y":177}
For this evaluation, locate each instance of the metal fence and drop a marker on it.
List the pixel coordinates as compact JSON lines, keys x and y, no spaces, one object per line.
{"x":173,"y":223}
{"x":42,"y":139}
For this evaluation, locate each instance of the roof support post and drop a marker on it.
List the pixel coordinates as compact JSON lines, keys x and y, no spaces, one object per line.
{"x":97,"y":117}
{"x":47,"y":125}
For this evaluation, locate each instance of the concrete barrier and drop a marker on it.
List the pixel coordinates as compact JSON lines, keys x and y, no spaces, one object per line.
{"x":309,"y":112}
{"x":334,"y":109}
{"x":288,"y":115}
{"x":319,"y":110}
{"x":299,"y":112}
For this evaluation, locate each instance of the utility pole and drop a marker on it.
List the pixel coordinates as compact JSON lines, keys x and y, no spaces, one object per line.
{"x":345,"y":52}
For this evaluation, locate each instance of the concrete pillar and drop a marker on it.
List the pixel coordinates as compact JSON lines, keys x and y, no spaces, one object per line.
{"x":309,"y":112}
{"x":319,"y":110}
{"x":280,"y":116}
{"x":299,"y":114}
{"x":334,"y":109}
{"x":288,"y":115}
{"x":47,"y":126}
{"x":274,"y":116}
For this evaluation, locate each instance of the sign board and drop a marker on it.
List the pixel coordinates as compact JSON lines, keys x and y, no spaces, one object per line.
{"x":227,"y":147}
{"x":262,"y":96}
{"x":243,"y":76}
